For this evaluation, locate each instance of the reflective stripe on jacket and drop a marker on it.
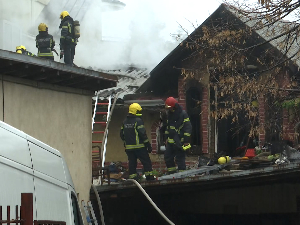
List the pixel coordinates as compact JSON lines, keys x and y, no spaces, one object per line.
{"x":133,"y":133}
{"x":179,"y":127}
{"x":45,"y":43}
{"x":67,"y":32}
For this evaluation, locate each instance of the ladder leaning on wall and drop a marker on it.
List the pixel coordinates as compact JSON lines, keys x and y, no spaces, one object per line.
{"x":105,"y":109}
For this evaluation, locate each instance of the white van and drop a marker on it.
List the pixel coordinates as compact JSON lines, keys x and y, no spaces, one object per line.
{"x":27,"y":165}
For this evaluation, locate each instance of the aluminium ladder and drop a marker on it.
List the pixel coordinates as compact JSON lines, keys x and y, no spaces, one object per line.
{"x":89,"y":211}
{"x":99,"y":155}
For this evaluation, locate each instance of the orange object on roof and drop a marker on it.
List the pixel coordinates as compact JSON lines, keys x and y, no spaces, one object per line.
{"x":250,"y":153}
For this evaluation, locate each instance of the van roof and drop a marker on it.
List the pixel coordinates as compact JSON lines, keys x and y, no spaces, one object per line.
{"x":42,"y":145}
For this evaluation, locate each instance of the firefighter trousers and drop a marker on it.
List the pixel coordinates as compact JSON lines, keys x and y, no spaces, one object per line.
{"x":172,"y":151}
{"x":142,"y":155}
{"x":69,"y":52}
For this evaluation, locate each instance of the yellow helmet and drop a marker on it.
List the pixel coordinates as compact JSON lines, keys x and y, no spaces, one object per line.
{"x":64,"y":14}
{"x":20,"y":49}
{"x":42,"y":27}
{"x":135,"y":109}
{"x":223,"y":160}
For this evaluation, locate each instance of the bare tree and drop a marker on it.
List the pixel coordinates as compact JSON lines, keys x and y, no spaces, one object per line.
{"x":251,"y":53}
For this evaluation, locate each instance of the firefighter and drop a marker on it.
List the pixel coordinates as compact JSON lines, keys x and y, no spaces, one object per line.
{"x":67,"y":38}
{"x":22,"y":50}
{"x":137,"y":145}
{"x":177,"y":133}
{"x":44,"y":42}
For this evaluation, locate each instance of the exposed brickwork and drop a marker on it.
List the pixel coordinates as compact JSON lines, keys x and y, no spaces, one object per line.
{"x":288,"y":126}
{"x":205,"y":120}
{"x":288,"y":121}
{"x":181,"y":93}
{"x":262,"y":119}
{"x":153,"y":137}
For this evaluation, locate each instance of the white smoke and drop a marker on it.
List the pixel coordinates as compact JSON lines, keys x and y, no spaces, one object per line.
{"x":139,"y":34}
{"x":140,"y":37}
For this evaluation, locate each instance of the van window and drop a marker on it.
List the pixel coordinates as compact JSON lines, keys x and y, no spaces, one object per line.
{"x":76,"y":211}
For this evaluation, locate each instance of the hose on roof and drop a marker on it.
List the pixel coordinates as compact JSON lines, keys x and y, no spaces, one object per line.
{"x":150,"y":200}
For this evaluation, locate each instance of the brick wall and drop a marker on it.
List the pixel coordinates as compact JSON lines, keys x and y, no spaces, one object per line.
{"x":181,"y":93}
{"x":205,"y":120}
{"x":204,"y":108}
{"x":262,"y":119}
{"x":288,"y":131}
{"x":153,"y":140}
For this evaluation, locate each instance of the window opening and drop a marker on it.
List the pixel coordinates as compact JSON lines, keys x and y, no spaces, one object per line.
{"x":193,"y":107}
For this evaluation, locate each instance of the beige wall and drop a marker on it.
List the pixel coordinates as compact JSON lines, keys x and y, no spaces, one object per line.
{"x":57,"y":118}
{"x":115,"y":148}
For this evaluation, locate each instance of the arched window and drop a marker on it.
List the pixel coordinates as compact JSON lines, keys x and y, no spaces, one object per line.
{"x":193,"y":107}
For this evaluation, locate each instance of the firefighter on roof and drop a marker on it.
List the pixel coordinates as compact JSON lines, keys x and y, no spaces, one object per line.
{"x":22,"y":50}
{"x":67,"y":38}
{"x":177,"y":133}
{"x":136,"y":142}
{"x":44,"y":42}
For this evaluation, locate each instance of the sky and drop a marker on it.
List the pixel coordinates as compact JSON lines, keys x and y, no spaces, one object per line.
{"x":141,"y":32}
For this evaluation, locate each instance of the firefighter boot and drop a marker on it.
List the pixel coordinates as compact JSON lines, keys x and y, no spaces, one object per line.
{"x":172,"y":170}
{"x":150,"y":178}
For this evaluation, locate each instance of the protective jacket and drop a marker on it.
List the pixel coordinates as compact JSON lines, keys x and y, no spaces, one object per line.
{"x":178,"y":128}
{"x":45,"y":44}
{"x":133,"y":133}
{"x":67,"y":36}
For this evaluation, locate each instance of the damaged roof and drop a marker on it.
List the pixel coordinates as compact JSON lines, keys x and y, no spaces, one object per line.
{"x":209,"y":180}
{"x":129,"y":80}
{"x":55,"y":73}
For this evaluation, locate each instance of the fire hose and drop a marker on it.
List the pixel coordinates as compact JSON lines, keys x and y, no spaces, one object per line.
{"x":150,"y":200}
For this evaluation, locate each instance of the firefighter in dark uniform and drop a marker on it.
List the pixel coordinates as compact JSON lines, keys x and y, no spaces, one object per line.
{"x":136,"y":143}
{"x":44,"y":42}
{"x":67,"y":38}
{"x":22,"y":50}
{"x":177,"y":133}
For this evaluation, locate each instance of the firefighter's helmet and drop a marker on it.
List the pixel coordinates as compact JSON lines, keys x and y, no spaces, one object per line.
{"x":20,"y":49}
{"x":64,"y":14}
{"x":170,"y":103}
{"x":43,"y":27}
{"x":135,"y":109}
{"x":224,"y":159}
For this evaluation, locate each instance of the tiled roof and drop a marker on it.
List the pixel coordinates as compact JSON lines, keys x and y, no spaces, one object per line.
{"x":270,"y":32}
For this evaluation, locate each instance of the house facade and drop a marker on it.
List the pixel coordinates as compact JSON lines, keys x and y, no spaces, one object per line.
{"x":196,"y":94}
{"x":52,"y":103}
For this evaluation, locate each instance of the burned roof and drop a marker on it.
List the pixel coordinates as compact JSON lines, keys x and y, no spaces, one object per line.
{"x":209,"y":178}
{"x":129,"y":80}
{"x":51,"y":72}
